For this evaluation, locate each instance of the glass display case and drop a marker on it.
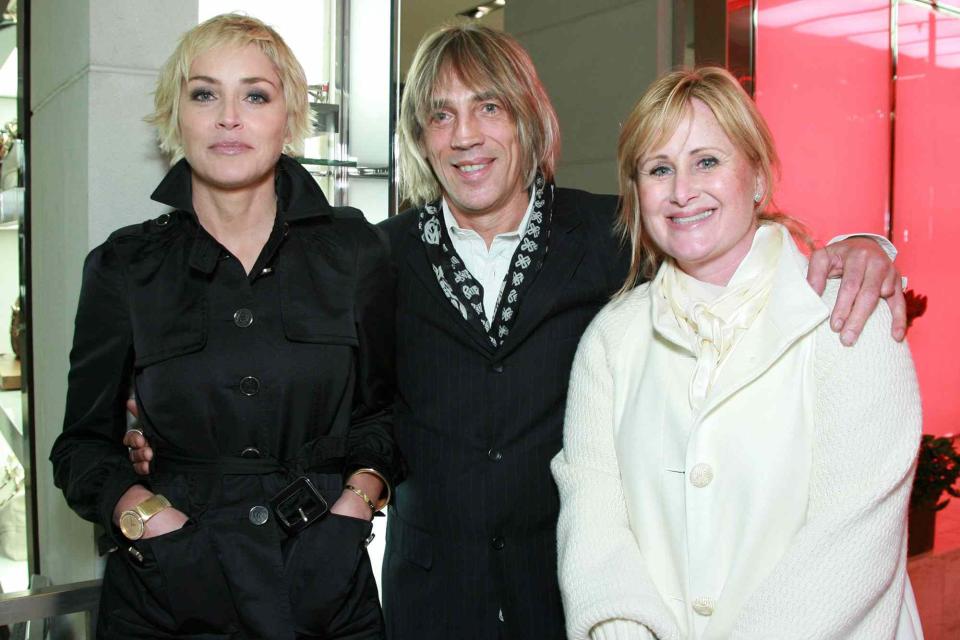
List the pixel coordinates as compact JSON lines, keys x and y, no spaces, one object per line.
{"x":14,"y":437}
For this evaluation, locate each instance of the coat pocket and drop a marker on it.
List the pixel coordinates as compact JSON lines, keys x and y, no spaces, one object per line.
{"x":412,"y":544}
{"x":322,"y":317}
{"x":196,"y":589}
{"x":324,"y":569}
{"x":168,"y":316}
{"x":318,"y":292}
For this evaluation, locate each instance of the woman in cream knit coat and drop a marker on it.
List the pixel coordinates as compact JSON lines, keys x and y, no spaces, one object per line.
{"x":729,"y":470}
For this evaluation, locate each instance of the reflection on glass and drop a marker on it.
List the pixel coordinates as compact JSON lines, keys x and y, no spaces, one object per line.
{"x":926,"y":223}
{"x":344,"y":47}
{"x":14,"y":451}
{"x":826,"y":96}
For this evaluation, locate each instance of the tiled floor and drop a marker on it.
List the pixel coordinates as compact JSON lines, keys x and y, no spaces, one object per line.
{"x":936,"y":578}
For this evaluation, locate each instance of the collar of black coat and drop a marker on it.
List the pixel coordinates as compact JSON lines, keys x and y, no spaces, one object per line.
{"x":298,"y":198}
{"x":298,"y":194}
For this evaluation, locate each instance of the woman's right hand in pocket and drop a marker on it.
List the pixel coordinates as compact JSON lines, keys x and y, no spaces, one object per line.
{"x":167,"y":521}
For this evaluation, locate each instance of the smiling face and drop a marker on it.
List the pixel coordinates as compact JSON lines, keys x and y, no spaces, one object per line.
{"x":233,"y":119}
{"x":696,"y":197}
{"x":472,"y":146}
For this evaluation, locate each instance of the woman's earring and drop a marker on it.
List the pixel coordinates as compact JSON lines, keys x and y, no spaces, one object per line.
{"x":757,"y":197}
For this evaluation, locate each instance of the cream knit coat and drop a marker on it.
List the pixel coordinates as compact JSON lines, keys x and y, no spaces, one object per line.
{"x":822,"y":554}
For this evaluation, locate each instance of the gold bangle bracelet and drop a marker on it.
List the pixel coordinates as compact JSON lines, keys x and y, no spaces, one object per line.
{"x":363,"y":496}
{"x":386,"y":485}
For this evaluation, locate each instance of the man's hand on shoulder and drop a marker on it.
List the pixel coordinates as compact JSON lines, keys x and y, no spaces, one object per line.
{"x":867,"y":274}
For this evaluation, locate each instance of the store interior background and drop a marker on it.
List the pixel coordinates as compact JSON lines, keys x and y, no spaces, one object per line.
{"x":822,"y":77}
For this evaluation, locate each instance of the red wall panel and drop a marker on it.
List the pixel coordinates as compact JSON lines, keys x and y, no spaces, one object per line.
{"x":823,"y":81}
{"x":926,"y":208}
{"x":826,"y":95}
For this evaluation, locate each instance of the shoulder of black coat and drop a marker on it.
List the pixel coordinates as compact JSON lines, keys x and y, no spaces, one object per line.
{"x":155,"y":229}
{"x":400,"y":225}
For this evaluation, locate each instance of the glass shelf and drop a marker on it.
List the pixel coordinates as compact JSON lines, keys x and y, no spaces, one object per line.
{"x":323,"y":162}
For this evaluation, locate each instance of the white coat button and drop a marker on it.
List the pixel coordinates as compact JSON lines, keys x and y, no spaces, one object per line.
{"x":704,"y":606}
{"x":701,"y":475}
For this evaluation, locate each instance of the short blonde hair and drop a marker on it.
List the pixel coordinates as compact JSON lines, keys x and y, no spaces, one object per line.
{"x":654,"y":120}
{"x":229,"y":30}
{"x":485,"y":60}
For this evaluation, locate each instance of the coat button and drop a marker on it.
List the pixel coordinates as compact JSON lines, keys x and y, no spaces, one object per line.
{"x":497,"y":543}
{"x":162,"y":220}
{"x":243,"y":318}
{"x":495,"y":454}
{"x":249,"y":386}
{"x":497,"y":367}
{"x":250,"y":452}
{"x":703,"y":606}
{"x":701,"y":475}
{"x":259,"y":515}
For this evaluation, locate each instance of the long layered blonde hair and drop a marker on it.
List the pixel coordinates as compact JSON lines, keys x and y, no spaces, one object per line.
{"x":490,"y":62}
{"x":654,"y":120}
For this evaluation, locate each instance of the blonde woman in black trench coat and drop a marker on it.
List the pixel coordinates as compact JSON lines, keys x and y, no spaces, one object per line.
{"x":254,"y":323}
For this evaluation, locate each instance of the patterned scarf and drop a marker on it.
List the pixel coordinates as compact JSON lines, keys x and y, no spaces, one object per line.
{"x":462,"y":289}
{"x":713,"y":327}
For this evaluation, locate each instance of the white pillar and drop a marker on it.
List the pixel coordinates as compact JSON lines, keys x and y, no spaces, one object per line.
{"x":93,"y":165}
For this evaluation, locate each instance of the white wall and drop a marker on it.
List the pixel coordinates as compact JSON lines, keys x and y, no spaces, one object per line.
{"x":94,"y":163}
{"x":595,"y":60}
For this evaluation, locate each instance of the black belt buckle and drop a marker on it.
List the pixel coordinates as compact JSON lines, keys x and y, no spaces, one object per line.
{"x":298,"y":505}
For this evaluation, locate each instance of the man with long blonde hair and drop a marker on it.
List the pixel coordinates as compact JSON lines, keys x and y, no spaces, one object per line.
{"x":499,"y":273}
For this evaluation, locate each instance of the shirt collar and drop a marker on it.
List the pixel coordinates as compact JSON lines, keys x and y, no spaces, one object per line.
{"x":453,"y":227}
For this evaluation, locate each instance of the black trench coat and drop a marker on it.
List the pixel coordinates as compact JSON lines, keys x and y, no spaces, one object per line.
{"x":290,"y":366}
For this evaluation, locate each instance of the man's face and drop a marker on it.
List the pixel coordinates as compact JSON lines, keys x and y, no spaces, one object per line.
{"x":472,"y":145}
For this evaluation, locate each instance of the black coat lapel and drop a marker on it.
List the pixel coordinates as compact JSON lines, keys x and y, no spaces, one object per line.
{"x":567,"y":248}
{"x":416,"y":256}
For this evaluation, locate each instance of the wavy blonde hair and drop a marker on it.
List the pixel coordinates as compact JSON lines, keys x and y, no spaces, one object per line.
{"x":488,"y":61}
{"x":229,"y":30}
{"x":654,"y":120}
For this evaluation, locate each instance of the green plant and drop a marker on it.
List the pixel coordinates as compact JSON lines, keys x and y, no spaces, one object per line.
{"x":938,"y":468}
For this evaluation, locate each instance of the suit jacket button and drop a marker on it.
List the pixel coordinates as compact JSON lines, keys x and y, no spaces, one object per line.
{"x":497,"y":367}
{"x":497,"y":543}
{"x":495,"y":454}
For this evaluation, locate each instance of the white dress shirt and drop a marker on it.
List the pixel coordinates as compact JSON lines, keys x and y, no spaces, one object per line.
{"x":488,"y":266}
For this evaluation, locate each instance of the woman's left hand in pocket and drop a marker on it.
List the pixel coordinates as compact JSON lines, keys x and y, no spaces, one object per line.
{"x":351,"y":505}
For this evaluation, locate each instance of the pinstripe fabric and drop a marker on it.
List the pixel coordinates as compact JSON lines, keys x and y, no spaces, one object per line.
{"x":472,"y":530}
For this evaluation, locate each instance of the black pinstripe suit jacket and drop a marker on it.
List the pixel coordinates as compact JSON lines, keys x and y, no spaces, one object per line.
{"x":472,"y":529}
